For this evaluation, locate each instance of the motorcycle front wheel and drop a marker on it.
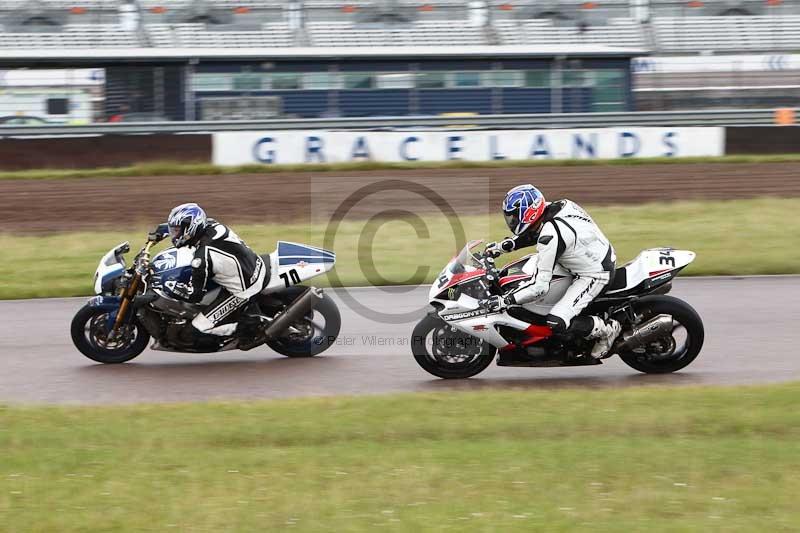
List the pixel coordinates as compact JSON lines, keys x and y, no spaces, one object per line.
{"x":91,"y":336}
{"x":448,"y":353}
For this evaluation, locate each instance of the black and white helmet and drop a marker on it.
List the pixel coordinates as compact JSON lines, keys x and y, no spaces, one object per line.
{"x":185,"y":223}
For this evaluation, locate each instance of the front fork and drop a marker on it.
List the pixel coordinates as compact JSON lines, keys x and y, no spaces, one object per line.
{"x":133,"y":287}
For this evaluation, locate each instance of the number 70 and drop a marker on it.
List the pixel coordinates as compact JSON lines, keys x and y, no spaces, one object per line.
{"x":291,"y":277}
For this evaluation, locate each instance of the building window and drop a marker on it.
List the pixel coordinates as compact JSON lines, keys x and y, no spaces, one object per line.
{"x":397,"y":80}
{"x":502,"y":78}
{"x":282,"y":81}
{"x":248,"y":81}
{"x":576,"y":78}
{"x":609,"y":90}
{"x":609,"y":77}
{"x":431,"y":80}
{"x":359,"y":80}
{"x":537,"y":78}
{"x":57,"y":106}
{"x":321,"y":81}
{"x":466,"y":79}
{"x":212,"y":82}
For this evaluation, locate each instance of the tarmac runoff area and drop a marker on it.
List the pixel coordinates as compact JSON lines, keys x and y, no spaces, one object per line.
{"x":751,"y":337}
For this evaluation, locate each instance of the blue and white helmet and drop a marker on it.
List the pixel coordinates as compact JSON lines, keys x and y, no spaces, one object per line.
{"x":523,"y":207}
{"x":185,"y":222}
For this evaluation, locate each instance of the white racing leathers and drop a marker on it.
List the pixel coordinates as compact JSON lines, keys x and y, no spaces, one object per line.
{"x":569,"y":237}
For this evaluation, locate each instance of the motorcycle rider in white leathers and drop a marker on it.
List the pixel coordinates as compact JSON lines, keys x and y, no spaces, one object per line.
{"x":564,"y":234}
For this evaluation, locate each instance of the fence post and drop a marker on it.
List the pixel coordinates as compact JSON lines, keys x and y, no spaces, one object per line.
{"x":556,"y":92}
{"x":189,"y":108}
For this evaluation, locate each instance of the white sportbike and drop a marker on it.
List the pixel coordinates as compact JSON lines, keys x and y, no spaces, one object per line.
{"x":460,"y":337}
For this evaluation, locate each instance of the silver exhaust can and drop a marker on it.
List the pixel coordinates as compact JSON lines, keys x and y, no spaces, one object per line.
{"x":297,"y":309}
{"x":651,"y":330}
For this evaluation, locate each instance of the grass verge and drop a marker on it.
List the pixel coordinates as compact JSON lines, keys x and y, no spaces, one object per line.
{"x":731,"y":237}
{"x":168,"y":168}
{"x":687,"y":459}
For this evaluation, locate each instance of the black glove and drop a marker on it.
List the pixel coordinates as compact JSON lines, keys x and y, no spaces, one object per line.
{"x":494,"y":304}
{"x":158,"y":234}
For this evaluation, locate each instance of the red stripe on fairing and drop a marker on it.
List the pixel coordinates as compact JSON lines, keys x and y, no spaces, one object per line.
{"x":461,"y":277}
{"x":536,"y":334}
{"x":510,"y":279}
{"x":657,"y":272}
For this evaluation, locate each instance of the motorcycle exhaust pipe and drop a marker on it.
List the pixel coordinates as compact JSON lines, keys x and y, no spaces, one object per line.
{"x":649,"y":331}
{"x":297,"y":309}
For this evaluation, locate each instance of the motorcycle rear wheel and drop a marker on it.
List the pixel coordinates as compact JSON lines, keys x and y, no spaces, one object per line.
{"x":443,"y":364}
{"x":674,"y":352}
{"x":313,"y":338}
{"x":89,"y":331}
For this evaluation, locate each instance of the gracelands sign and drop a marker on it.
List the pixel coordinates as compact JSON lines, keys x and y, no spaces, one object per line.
{"x":270,"y":147}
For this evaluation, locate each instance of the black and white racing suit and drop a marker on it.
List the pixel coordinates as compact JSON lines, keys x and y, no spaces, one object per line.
{"x":568,"y":237}
{"x":220,"y":255}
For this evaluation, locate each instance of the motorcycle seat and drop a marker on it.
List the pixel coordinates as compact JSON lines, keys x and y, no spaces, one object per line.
{"x":620,"y":279}
{"x":268,"y":264}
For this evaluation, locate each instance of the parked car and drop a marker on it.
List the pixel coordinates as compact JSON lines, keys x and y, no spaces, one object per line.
{"x":22,"y":120}
{"x":142,"y":117}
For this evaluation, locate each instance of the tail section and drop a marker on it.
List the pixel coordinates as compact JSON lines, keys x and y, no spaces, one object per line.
{"x":652,"y":267}
{"x":293,"y":263}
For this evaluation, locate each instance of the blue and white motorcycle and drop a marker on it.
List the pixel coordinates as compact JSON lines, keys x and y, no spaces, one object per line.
{"x":138,"y":303}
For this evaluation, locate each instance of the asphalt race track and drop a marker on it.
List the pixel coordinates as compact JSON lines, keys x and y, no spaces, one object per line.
{"x":751,"y":324}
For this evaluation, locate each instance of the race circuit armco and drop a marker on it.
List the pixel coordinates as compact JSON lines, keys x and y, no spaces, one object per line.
{"x":751,"y":329}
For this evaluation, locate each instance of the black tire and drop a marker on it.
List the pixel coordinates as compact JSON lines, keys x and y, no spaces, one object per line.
{"x":687,"y":317}
{"x":432,"y":325}
{"x":319,"y":341}
{"x":89,"y":347}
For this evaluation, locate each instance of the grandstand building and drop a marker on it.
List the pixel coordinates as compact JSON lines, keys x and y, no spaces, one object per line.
{"x":251,"y":59}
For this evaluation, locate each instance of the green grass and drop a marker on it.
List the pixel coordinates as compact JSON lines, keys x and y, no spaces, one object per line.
{"x":649,"y":459}
{"x":733,"y":237}
{"x":168,"y":168}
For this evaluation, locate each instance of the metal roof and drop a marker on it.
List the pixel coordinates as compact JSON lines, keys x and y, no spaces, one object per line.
{"x":30,"y":57}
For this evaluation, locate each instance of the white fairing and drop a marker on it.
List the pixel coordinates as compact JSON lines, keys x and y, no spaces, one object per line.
{"x":112,"y":264}
{"x":467,"y":315}
{"x":653,"y":263}
{"x":483,"y":325}
{"x":292,"y":263}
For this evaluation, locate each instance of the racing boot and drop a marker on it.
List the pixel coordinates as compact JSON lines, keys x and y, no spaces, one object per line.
{"x":606,"y":332}
{"x":190,"y":339}
{"x":250,"y":331}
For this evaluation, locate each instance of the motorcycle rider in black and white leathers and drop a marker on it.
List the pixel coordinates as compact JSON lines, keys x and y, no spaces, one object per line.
{"x":564,"y":234}
{"x":219,"y":255}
